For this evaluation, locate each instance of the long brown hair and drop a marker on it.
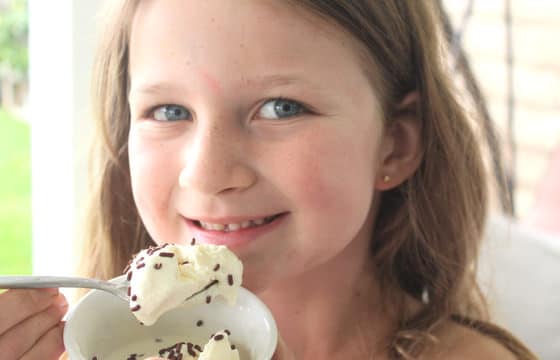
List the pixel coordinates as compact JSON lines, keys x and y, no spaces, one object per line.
{"x":429,"y":229}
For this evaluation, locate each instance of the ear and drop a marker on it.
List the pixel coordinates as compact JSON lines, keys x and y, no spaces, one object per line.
{"x":401,"y":149}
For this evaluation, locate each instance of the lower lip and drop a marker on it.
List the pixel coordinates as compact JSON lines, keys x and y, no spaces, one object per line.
{"x":235,"y":238}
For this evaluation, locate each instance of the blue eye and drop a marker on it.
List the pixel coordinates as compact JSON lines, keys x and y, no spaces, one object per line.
{"x":170,"y":113}
{"x":280,"y":108}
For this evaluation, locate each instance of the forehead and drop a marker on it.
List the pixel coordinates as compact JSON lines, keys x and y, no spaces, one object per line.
{"x":254,"y":37}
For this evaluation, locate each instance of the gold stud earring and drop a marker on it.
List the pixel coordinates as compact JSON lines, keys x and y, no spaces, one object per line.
{"x":386,"y":178}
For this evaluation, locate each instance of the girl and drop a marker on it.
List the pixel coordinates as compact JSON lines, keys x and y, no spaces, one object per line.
{"x":322,"y":142}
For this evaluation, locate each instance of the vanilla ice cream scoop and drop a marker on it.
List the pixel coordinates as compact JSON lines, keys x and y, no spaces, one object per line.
{"x":220,"y":348}
{"x":168,"y":276}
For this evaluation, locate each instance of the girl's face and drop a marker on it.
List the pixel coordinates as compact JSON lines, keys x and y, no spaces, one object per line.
{"x":257,"y":115}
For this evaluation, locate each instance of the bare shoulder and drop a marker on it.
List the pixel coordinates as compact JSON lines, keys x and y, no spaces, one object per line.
{"x":458,"y":342}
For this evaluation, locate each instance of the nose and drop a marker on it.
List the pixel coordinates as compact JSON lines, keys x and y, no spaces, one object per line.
{"x":215,"y":161}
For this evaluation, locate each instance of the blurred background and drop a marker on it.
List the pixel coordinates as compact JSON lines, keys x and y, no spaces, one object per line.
{"x":15,"y":167}
{"x":508,"y":46}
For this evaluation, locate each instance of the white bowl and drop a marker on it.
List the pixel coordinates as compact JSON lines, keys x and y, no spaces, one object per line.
{"x":102,"y":325}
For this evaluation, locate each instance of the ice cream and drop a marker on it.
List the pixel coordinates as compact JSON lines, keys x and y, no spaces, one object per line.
{"x":165,"y":277}
{"x":218,"y":348}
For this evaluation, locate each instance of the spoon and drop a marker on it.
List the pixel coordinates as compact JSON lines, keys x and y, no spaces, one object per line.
{"x":117,"y":286}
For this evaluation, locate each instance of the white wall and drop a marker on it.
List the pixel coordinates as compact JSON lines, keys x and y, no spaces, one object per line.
{"x":61,"y":42}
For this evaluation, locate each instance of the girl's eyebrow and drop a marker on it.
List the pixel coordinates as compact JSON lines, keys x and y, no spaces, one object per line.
{"x":278,"y":80}
{"x":284,"y":80}
{"x":154,"y":88}
{"x":259,"y":82}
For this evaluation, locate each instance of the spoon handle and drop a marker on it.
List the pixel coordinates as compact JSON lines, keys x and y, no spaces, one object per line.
{"x":33,"y":282}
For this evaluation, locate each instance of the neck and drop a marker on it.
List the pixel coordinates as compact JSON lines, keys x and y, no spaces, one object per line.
{"x":335,"y":309}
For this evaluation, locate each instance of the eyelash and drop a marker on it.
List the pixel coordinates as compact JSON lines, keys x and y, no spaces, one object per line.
{"x":152,"y":112}
{"x":302,"y":109}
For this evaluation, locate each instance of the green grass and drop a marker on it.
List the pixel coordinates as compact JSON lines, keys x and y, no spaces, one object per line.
{"x":15,"y":196}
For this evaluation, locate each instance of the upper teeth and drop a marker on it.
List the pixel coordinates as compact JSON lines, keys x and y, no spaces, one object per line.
{"x":233,"y":227}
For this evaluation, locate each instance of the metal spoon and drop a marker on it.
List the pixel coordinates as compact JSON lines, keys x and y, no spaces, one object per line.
{"x":117,"y":286}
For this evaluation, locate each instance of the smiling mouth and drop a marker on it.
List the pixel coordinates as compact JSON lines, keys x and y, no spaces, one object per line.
{"x":253,"y":223}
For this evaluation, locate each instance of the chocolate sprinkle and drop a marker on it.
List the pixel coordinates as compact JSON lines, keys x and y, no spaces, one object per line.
{"x":185,"y":262}
{"x":217,"y":267}
{"x":232,"y":347}
{"x":140,"y":266}
{"x":190,"y":350}
{"x":197,"y":347}
{"x":158,"y":266}
{"x":134,"y":297}
{"x":128,"y":291}
{"x":136,"y":308}
{"x":227,"y":332}
{"x":166,"y":254}
{"x":230,"y":279}
{"x":199,"y":323}
{"x":208,"y":299}
{"x":129,"y":276}
{"x":193,"y":241}
{"x":218,"y":337}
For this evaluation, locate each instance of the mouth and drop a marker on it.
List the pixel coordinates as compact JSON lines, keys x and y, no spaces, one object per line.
{"x":246,"y":224}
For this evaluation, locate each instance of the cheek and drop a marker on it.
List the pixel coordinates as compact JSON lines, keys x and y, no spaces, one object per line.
{"x":152,"y":183}
{"x":333,"y":174}
{"x":329,"y":183}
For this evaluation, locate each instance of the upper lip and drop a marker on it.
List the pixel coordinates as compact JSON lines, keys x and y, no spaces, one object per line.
{"x":230,"y":219}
